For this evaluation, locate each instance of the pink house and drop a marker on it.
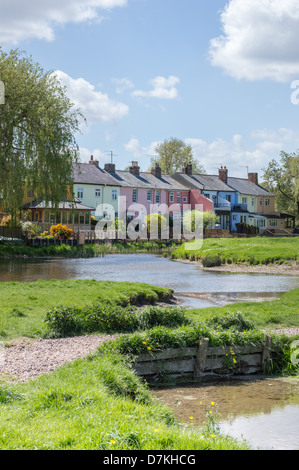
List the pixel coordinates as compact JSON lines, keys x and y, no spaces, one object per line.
{"x":144,"y":193}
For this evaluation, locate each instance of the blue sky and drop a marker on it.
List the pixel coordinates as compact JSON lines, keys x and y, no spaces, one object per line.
{"x":215,"y":74}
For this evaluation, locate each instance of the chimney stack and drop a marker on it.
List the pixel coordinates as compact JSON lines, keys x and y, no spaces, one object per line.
{"x":223,"y":174}
{"x":109,"y":167}
{"x":93,"y":162}
{"x":187,"y":170}
{"x":254,"y":177}
{"x":134,"y":169}
{"x":156,"y":171}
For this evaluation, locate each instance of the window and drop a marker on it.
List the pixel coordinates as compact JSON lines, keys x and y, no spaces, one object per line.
{"x":134,"y":197}
{"x":178,"y":198}
{"x":252,"y":201}
{"x":157,"y":197}
{"x":114,"y":195}
{"x":234,"y":218}
{"x":207,"y":196}
{"x":149,"y":195}
{"x":267,"y":202}
{"x":98,"y":192}
{"x":228,"y":197}
{"x":171,"y":197}
{"x":244,"y":200}
{"x":273,"y":222}
{"x":87,"y":218}
{"x":185,"y":199}
{"x":80,"y":193}
{"x":261,"y":201}
{"x":81,"y":218}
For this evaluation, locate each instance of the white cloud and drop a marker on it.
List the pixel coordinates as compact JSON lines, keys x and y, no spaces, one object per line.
{"x":137,"y":150}
{"x":20,"y":20}
{"x":84,"y":155}
{"x":266,"y":144}
{"x":122,"y":84}
{"x":259,"y":41}
{"x":94,"y":105}
{"x":163,"y":88}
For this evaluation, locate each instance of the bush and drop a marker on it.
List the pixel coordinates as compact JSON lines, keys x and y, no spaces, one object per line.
{"x":158,"y":316}
{"x":211,"y":261}
{"x":234,"y":321}
{"x":70,"y":321}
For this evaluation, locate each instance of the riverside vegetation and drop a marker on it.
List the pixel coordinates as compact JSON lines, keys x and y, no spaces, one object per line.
{"x":252,"y":251}
{"x":98,"y":402}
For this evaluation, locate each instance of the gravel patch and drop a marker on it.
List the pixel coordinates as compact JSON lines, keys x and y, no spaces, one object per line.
{"x":24,"y":360}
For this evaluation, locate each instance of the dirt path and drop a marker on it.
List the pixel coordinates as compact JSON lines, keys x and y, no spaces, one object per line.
{"x":26,"y":359}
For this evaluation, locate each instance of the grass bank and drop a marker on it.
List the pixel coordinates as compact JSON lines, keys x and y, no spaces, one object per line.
{"x":24,"y":305}
{"x":252,"y":251}
{"x":95,"y":404}
{"x":10,"y":250}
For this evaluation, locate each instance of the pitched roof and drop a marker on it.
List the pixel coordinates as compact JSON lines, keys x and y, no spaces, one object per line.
{"x":86,"y":173}
{"x":245,"y":186}
{"x":66,"y":205}
{"x":146,"y":181}
{"x":203,"y":182}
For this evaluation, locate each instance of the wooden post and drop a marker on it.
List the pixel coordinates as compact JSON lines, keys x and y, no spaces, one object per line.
{"x":266,"y":356}
{"x":201,"y":357}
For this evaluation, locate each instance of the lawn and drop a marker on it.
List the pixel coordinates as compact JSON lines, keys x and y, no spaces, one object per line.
{"x":24,"y":305}
{"x":95,"y":404}
{"x":254,"y":250}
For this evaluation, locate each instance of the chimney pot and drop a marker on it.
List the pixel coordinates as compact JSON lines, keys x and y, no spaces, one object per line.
{"x":93,"y":162}
{"x":223,"y":174}
{"x":134,"y":169}
{"x":254,"y":178}
{"x":109,"y":167}
{"x":156,"y":171}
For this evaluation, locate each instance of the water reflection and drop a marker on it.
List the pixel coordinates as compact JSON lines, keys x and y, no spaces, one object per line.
{"x":182,"y":278}
{"x":264,"y":412}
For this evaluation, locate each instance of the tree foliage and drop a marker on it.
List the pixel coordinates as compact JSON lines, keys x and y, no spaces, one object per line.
{"x":37,"y":133}
{"x":282,"y":179}
{"x":174,"y":154}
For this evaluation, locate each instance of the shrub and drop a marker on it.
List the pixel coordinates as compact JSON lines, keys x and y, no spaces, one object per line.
{"x":61,"y":231}
{"x":210,"y":261}
{"x":70,"y":321}
{"x":167,"y":316}
{"x":234,"y":321}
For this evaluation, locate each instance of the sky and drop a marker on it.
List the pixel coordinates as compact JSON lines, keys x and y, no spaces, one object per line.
{"x":223,"y":76}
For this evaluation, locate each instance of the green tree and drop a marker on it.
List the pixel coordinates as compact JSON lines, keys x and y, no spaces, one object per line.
{"x":37,"y":133}
{"x":282,"y":179}
{"x":173,"y":154}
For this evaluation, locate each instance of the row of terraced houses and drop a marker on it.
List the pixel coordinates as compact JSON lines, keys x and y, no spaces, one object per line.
{"x":236,"y":201}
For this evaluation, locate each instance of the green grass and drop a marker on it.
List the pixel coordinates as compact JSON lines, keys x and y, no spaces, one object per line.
{"x":274,"y":314}
{"x":95,"y":404}
{"x":255,"y":250}
{"x":23,"y":306}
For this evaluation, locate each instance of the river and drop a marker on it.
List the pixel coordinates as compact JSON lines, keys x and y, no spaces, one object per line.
{"x":195,"y":287}
{"x":263,"y":412}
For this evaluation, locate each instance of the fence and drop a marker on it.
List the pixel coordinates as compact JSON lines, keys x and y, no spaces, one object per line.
{"x":11,"y":232}
{"x":197,"y":363}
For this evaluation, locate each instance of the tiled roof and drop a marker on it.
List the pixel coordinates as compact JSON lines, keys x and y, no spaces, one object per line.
{"x":203,"y":182}
{"x":245,"y":186}
{"x":86,"y":173}
{"x":146,"y":181}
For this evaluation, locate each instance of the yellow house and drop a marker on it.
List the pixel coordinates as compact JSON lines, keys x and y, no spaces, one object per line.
{"x":95,"y":187}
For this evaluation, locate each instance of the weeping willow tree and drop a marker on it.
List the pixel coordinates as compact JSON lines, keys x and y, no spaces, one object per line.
{"x":37,"y":134}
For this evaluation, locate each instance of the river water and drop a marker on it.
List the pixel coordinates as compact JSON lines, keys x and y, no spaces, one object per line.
{"x":263,"y":412}
{"x":195,"y":287}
